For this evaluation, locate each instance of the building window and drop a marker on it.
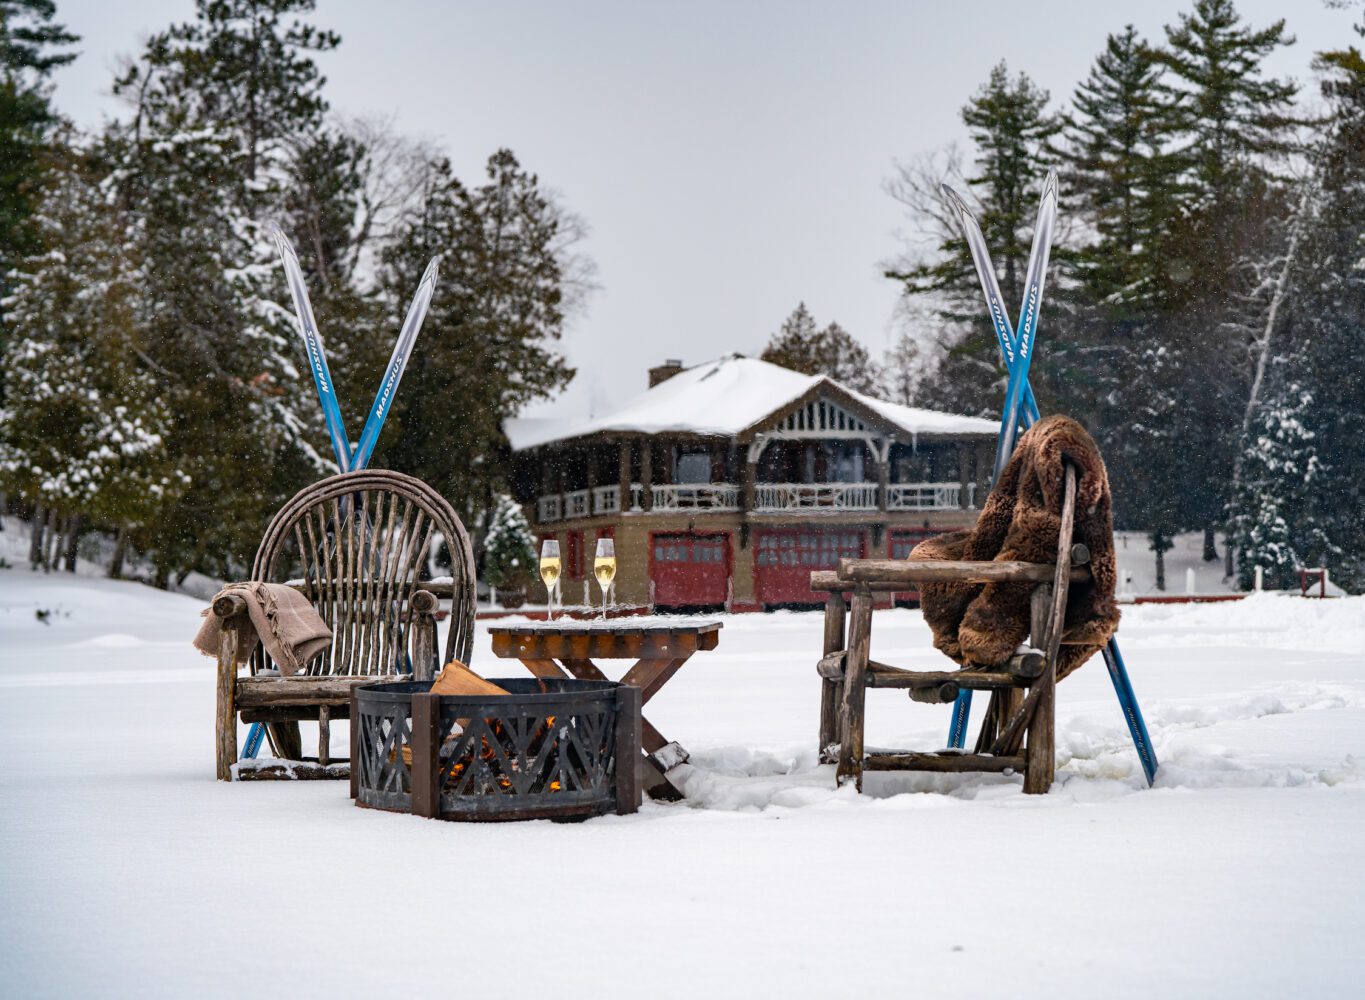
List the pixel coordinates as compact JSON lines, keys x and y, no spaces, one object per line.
{"x":814,"y":550}
{"x":844,"y":462}
{"x":701,"y":549}
{"x":694,"y":467}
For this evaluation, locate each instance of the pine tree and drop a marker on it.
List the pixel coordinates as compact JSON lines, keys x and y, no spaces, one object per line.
{"x":202,"y":163}
{"x":1231,"y":119}
{"x":85,"y":427}
{"x":833,"y":351}
{"x":1275,"y":527}
{"x":28,"y":38}
{"x":1122,"y":178}
{"x":1012,"y":133}
{"x":509,"y":548}
{"x":490,"y":344}
{"x":1232,"y":125}
{"x":1327,"y":314}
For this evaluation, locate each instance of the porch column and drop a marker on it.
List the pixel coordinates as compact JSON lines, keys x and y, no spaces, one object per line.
{"x":882,"y":456}
{"x":647,"y":474}
{"x":750,"y":485}
{"x":964,"y":474}
{"x":623,"y":482}
{"x":985,"y":471}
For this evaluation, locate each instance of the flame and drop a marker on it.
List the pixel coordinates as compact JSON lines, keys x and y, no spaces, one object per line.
{"x":490,"y":756}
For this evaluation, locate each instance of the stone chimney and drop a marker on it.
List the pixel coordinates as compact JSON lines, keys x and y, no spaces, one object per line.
{"x":665,"y":371}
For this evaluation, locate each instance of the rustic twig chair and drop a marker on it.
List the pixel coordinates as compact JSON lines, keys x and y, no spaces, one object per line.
{"x":1022,"y":690}
{"x":356,"y":544}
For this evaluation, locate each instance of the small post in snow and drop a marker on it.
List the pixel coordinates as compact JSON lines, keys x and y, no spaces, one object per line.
{"x":1189,"y":580}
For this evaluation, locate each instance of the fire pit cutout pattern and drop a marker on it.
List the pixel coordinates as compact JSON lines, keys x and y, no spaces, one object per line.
{"x":548,"y":749}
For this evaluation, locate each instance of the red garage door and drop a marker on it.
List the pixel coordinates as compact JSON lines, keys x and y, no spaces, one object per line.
{"x":783,"y":561}
{"x":689,"y":569}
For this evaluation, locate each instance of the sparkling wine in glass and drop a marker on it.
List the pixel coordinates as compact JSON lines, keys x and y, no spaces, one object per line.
{"x":604,"y":568}
{"x":549,"y":572}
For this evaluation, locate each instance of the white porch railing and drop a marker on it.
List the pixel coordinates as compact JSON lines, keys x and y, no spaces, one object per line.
{"x":710,"y":496}
{"x":928,"y":496}
{"x":577,"y":504}
{"x":606,"y":499}
{"x":815,"y":496}
{"x":768,"y":498}
{"x":548,"y":508}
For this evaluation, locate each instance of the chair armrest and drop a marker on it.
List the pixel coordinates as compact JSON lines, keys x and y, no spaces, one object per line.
{"x":229,"y":606}
{"x":424,"y":604}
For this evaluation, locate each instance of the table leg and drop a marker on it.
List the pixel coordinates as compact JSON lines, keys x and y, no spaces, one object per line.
{"x":546,"y":668}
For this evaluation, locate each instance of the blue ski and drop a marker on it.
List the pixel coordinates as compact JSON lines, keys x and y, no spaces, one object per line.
{"x":1009,"y":349}
{"x":1026,"y":407}
{"x":317,"y":357}
{"x":398,"y":361}
{"x":347,"y":460}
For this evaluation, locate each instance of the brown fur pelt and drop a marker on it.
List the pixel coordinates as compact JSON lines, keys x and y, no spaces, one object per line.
{"x":982,"y":624}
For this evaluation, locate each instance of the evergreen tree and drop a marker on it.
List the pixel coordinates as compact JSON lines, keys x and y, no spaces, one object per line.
{"x":1117,"y":365}
{"x":509,"y":548}
{"x":1012,"y":132}
{"x":246,"y":67}
{"x":1230,"y":118}
{"x":490,"y":341}
{"x":1327,"y":315}
{"x":202,"y":162}
{"x":1122,"y":178}
{"x":833,"y":351}
{"x":1232,"y":125}
{"x":1275,"y":526}
{"x":85,"y":428}
{"x":30,"y":44}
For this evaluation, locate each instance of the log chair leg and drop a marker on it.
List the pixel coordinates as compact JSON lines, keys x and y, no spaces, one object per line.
{"x":1039,"y":606}
{"x":831,"y":691}
{"x":225,"y":726}
{"x":324,"y":735}
{"x":1042,"y":736}
{"x":853,"y":703}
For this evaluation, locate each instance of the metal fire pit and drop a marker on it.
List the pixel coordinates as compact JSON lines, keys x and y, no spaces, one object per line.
{"x":548,"y":749}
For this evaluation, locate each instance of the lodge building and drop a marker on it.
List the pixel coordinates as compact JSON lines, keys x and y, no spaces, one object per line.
{"x":725,"y":484}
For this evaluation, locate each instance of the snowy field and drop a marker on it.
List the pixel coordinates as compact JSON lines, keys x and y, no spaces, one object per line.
{"x":128,"y":871}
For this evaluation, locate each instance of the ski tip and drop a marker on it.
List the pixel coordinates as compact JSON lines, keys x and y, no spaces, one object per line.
{"x":1050,"y":185}
{"x":433,"y":271}
{"x":282,"y":243}
{"x":954,"y":199}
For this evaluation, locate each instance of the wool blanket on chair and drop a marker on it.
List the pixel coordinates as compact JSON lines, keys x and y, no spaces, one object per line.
{"x":982,"y":624}
{"x":281,"y":617}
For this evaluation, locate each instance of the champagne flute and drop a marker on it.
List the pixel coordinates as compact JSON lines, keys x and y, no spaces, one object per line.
{"x":604,"y":568}
{"x":549,"y":573}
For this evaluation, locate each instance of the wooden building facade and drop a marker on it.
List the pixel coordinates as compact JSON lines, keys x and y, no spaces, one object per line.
{"x":726,"y":484}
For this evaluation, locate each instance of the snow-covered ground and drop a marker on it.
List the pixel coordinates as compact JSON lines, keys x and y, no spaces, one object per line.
{"x":127,"y":870}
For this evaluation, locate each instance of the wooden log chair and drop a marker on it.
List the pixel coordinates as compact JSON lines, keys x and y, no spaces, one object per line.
{"x":356,"y":545}
{"x":1018,"y":731}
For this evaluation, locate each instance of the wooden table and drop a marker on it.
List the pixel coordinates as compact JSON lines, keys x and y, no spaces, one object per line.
{"x":659,"y":647}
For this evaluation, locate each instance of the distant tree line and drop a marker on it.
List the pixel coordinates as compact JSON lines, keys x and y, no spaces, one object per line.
{"x":1206,"y":302}
{"x":153,"y":383}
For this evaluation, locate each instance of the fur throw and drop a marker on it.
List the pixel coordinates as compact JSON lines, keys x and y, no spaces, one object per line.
{"x":982,"y":624}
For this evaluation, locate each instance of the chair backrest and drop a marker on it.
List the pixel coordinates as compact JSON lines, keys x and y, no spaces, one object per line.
{"x":358,"y":542}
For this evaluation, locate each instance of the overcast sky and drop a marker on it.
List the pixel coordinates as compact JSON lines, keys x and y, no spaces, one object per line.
{"x":728,"y":157}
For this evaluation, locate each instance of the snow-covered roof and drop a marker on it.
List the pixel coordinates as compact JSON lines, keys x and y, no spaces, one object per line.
{"x":724,"y":398}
